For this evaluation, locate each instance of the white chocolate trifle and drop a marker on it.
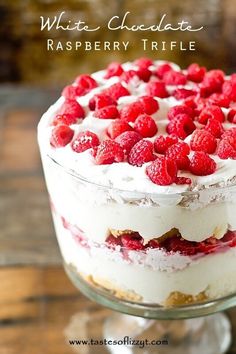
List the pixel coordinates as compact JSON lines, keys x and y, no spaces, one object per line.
{"x":140,"y":165}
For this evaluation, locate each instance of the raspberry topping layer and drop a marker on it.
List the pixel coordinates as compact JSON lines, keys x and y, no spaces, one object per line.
{"x":151,"y":115}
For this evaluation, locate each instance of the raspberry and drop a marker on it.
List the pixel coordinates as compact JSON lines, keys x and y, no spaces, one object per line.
{"x":162,"y":143}
{"x":219,"y":99}
{"x":131,"y":111}
{"x":177,"y":244}
{"x":132,"y":241}
{"x":182,"y":93}
{"x":128,"y":75}
{"x":190,"y":102}
{"x":232,"y":116}
{"x":178,"y":152}
{"x":229,"y":133}
{"x":214,"y":127}
{"x":212,"y":82}
{"x":183,"y":180}
{"x":226,"y":150}
{"x":202,"y":140}
{"x":127,"y":140}
{"x":182,"y":126}
{"x":213,"y":112}
{"x":150,"y":105}
{"x":61,"y":136}
{"x":154,"y":243}
{"x":229,"y":238}
{"x":73,"y":108}
{"x":85,"y":84}
{"x":172,"y":77}
{"x":84,"y":141}
{"x":201,"y":164}
{"x":113,"y":69}
{"x":101,"y":100}
{"x":162,"y":171}
{"x":108,"y":112}
{"x":144,"y":74}
{"x":156,"y":88}
{"x":180,"y":109}
{"x":209,"y":245}
{"x":143,"y":62}
{"x":162,"y":69}
{"x":229,"y":90}
{"x":118,"y":127}
{"x":65,"y":119}
{"x":116,"y":91}
{"x":114,"y":241}
{"x":108,"y":152}
{"x":195,"y":72}
{"x":69,"y":92}
{"x":140,"y":153}
{"x":145,"y":126}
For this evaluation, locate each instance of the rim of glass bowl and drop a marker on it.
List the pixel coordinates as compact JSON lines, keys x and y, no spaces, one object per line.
{"x":211,"y":189}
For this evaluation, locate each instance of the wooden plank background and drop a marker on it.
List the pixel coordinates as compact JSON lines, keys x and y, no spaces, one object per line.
{"x":39,"y":307}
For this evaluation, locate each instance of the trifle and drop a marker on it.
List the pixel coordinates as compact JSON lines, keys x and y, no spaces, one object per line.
{"x":140,"y":165}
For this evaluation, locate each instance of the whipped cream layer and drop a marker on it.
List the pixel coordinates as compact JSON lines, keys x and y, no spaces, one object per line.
{"x":155,"y":283}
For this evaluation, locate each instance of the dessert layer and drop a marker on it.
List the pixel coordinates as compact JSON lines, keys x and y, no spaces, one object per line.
{"x":152,"y":285}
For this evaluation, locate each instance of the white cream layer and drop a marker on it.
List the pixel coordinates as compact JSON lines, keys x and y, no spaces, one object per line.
{"x":214,"y":273}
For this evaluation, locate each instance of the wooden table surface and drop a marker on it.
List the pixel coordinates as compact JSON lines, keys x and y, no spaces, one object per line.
{"x":39,"y":307}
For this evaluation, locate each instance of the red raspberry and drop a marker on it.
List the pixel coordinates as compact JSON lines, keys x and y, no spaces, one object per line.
{"x":65,"y":119}
{"x":209,"y":245}
{"x":201,"y":164}
{"x":131,"y":111}
{"x":212,"y":82}
{"x":84,"y":141}
{"x":113,"y":69}
{"x":162,"y":143}
{"x":213,"y":112}
{"x":202,"y":140}
{"x":156,"y":88}
{"x":229,"y":90}
{"x":177,"y":244}
{"x":108,"y":152}
{"x":201,"y":103}
{"x":132,"y":241}
{"x":182,"y":126}
{"x":127,"y":140}
{"x":145,"y":125}
{"x":229,"y":238}
{"x":230,"y":133}
{"x":190,"y":102}
{"x":214,"y":127}
{"x":141,"y":152}
{"x":232,"y":116}
{"x":85,"y":84}
{"x":128,"y":75}
{"x":162,"y":171}
{"x":108,"y":112}
{"x":172,"y":77}
{"x":180,"y":109}
{"x":144,"y":74}
{"x":61,"y":136}
{"x":162,"y":69}
{"x":118,"y":127}
{"x":101,"y":100}
{"x":69,"y":92}
{"x":179,"y":153}
{"x":183,"y":180}
{"x":219,"y":99}
{"x":143,"y":62}
{"x":195,"y":72}
{"x":116,"y":91}
{"x":150,"y":105}
{"x":114,"y":241}
{"x":225,"y":150}
{"x":182,"y":93}
{"x":73,"y":108}
{"x":154,"y":243}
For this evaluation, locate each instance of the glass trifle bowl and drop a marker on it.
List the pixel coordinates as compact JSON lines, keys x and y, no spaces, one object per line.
{"x":134,"y":235}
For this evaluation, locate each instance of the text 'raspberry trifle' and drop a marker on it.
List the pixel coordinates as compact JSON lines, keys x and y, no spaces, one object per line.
{"x":140,"y":165}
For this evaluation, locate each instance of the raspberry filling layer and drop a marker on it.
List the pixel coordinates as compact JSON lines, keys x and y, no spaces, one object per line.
{"x":171,"y":242}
